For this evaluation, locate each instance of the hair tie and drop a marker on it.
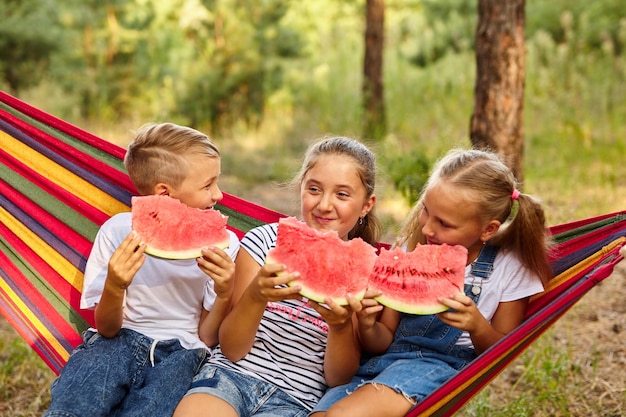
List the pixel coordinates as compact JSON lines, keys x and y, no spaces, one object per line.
{"x":514,"y":207}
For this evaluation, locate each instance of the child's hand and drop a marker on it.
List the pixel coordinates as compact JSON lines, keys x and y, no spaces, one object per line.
{"x":334,"y":314}
{"x":218,"y":265}
{"x":267,"y":285}
{"x":467,"y":317}
{"x":368,"y":310}
{"x":126,"y":261}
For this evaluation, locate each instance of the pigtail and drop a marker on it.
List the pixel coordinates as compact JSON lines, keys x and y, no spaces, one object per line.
{"x":527,"y":235}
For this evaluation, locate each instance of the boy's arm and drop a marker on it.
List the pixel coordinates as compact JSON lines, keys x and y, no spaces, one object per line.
{"x":123,"y":265}
{"x":219,"y":266}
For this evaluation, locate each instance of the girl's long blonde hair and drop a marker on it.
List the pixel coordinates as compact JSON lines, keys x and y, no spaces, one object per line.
{"x":491,"y":185}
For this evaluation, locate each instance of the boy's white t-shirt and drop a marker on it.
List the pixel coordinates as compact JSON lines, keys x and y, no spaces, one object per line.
{"x":166,"y":297}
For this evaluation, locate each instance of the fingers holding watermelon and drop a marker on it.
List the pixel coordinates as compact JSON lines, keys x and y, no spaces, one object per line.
{"x":218,"y":265}
{"x":369,"y":308}
{"x":270,"y":284}
{"x":335,"y":315}
{"x":126,"y":261}
{"x":463,"y":313}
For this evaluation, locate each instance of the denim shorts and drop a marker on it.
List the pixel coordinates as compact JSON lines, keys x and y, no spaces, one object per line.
{"x":413,"y":374}
{"x":127,"y":375}
{"x":248,"y":395}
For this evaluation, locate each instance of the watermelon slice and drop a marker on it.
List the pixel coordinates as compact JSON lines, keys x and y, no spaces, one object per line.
{"x":412,"y":282}
{"x":329,"y":266}
{"x":173,"y":230}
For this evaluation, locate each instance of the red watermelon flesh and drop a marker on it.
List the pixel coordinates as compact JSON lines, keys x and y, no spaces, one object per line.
{"x":173,"y":230}
{"x":329,"y":266}
{"x":412,"y":282}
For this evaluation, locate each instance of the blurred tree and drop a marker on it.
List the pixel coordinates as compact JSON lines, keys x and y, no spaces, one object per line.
{"x":496,"y":122}
{"x":28,"y":38}
{"x":240,"y":61}
{"x":373,"y":89}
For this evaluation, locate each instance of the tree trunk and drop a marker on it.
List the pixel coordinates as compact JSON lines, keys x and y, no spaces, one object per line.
{"x":497,"y":121}
{"x":375,"y":125}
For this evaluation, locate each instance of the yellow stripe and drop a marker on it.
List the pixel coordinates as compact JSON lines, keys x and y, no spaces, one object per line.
{"x":580,"y":266}
{"x":61,"y":265}
{"x":61,"y":176}
{"x":563,"y":277}
{"x":33,"y":322}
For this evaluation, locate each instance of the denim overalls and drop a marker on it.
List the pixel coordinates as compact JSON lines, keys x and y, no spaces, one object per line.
{"x":423,"y":355}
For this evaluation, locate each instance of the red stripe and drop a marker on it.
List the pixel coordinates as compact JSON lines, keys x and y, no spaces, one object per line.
{"x":60,"y":193}
{"x":50,"y":276}
{"x":66,"y":234}
{"x":566,"y":227}
{"x":251,"y":209}
{"x":493,"y":357}
{"x":586,"y":240}
{"x":70,"y":153}
{"x":63,"y":126}
{"x":42,"y":309}
{"x":48,"y":355}
{"x":556,"y":293}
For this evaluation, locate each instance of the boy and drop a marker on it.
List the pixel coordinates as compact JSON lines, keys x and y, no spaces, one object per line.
{"x":154,"y":317}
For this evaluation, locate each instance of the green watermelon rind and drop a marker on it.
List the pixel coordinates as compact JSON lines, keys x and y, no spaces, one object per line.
{"x":321,"y":298}
{"x":178,"y":255}
{"x":317,"y":296}
{"x":422,"y":309}
{"x":329,"y":250}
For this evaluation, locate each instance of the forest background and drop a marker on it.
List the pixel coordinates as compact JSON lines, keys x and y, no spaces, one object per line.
{"x":265,"y":78}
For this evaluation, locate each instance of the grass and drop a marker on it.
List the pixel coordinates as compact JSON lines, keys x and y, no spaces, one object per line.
{"x":24,"y":378}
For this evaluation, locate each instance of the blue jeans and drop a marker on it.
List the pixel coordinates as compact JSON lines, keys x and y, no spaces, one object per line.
{"x":124,"y":376}
{"x":422,"y":357}
{"x":248,"y":395}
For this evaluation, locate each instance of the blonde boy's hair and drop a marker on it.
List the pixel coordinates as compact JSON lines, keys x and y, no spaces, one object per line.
{"x":158,"y":153}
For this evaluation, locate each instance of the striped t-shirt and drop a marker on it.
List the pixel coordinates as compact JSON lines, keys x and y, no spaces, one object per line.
{"x":291,"y":340}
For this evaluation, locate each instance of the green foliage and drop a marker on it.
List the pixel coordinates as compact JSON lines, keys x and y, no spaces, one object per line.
{"x":29,"y":36}
{"x":408,"y":172}
{"x":445,"y":27}
{"x":589,"y":26}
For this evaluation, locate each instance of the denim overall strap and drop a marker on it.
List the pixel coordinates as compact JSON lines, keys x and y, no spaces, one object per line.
{"x":429,"y":334}
{"x":481,"y":268}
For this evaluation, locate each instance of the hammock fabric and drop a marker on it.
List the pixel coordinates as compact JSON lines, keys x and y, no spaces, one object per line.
{"x":59,"y":183}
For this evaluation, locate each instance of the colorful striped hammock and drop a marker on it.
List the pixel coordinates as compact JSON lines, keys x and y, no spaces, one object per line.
{"x":59,"y":184}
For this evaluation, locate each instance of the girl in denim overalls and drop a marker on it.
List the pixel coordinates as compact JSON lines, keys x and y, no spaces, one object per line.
{"x":470,"y":199}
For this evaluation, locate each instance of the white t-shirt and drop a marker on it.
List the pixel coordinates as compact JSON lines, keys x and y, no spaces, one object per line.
{"x":509,"y":281}
{"x":166,"y":297}
{"x":290,"y":343}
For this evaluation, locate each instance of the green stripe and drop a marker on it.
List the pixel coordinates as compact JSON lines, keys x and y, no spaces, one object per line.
{"x":70,"y":140}
{"x":52,"y":205}
{"x":584,"y":229}
{"x":238,"y":220}
{"x":57,"y":302}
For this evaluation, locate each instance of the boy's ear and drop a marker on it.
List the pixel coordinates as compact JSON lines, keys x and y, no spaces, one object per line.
{"x":161,"y":189}
{"x":490,"y":229}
